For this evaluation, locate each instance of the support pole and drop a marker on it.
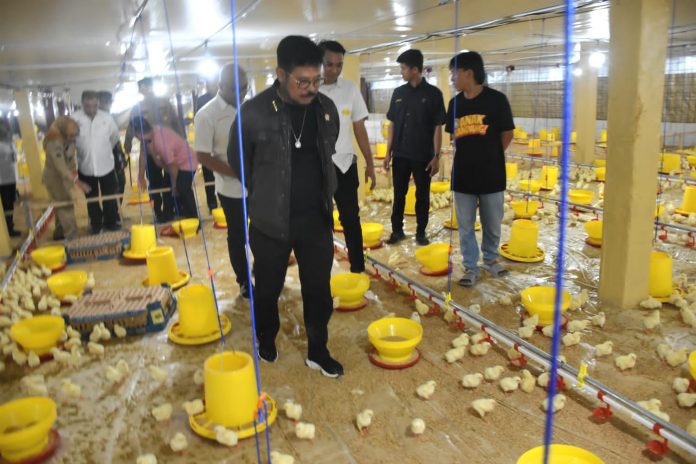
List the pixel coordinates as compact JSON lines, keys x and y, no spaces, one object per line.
{"x":585,"y":110}
{"x":30,"y":145}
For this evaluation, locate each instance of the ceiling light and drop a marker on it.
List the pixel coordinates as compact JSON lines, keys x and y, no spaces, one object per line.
{"x":160,"y":88}
{"x":403,"y":48}
{"x":597,"y":59}
{"x":15,"y":113}
{"x":577,"y":72}
{"x":208,"y":68}
{"x":108,"y":43}
{"x":269,"y":79}
{"x":464,"y":51}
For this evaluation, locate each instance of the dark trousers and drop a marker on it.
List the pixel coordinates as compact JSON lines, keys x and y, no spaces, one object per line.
{"x":346,"y":197}
{"x":121,"y":182}
{"x":210,"y":197}
{"x":185,"y":201}
{"x":9,"y":194}
{"x":311,"y":240}
{"x":161,"y":202}
{"x":104,"y":215}
{"x":236,"y":223}
{"x":402,"y":168}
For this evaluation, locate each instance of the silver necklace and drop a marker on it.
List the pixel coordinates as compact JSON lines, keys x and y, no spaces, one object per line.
{"x":297,"y":138}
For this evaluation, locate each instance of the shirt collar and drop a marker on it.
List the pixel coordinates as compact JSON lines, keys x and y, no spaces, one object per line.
{"x":220,"y":102}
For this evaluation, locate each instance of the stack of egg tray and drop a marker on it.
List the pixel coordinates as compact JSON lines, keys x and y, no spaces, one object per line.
{"x":107,"y":245}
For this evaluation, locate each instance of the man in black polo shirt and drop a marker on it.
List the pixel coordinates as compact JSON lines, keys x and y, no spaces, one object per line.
{"x":417,"y":113}
{"x":483,"y":131}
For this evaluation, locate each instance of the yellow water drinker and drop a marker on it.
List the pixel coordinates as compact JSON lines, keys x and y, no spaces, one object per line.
{"x":660,"y":284}
{"x":137,"y":197}
{"x":452,"y":223}
{"x":599,"y":162}
{"x":337,"y":222}
{"x":511,"y":171}
{"x":219,"y":219}
{"x":530,"y":186}
{"x":372,"y":234}
{"x":534,"y":147}
{"x":25,"y":429}
{"x":385,"y":129}
{"x":410,"y":207}
{"x":573,"y":137}
{"x":581,"y":197}
{"x":198,"y":317}
{"x":543,"y":134}
{"x":603,"y":136}
{"x":39,"y":333}
{"x":670,"y":162}
{"x":525,"y":209}
{"x":67,"y":283}
{"x":381,"y":151}
{"x":594,"y":232}
{"x":394,"y":340}
{"x":350,"y":289}
{"x":439,"y":187}
{"x":434,"y":259}
{"x":542,"y":301}
{"x":52,"y":256}
{"x":187,"y":228}
{"x":691,"y":159}
{"x":548,"y":177}
{"x":560,"y":454}
{"x":688,"y":205}
{"x":231,"y":397}
{"x":556,"y":133}
{"x":522,"y":245}
{"x":142,"y":238}
{"x":554,"y":151}
{"x":600,"y":173}
{"x":162,"y":268}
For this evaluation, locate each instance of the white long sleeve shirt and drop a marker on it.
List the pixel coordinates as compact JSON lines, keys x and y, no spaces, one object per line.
{"x":95,"y":143}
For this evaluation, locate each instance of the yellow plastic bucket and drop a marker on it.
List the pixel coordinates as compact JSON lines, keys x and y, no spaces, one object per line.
{"x":534,"y":145}
{"x":336,"y":221}
{"x":219,"y":217}
{"x":197,"y":315}
{"x":660,"y":285}
{"x":689,"y":200}
{"x":549,"y":177}
{"x":395,"y":338}
{"x":594,"y":231}
{"x":433,"y":257}
{"x":542,"y":301}
{"x":410,"y":208}
{"x":439,"y":187}
{"x":573,"y":137}
{"x":543,"y":134}
{"x":511,"y":171}
{"x":603,"y":136}
{"x":24,"y":427}
{"x":600,"y":173}
{"x":186,"y":227}
{"x":381,"y":151}
{"x":530,"y":186}
{"x":39,"y":333}
{"x":670,"y":162}
{"x":581,"y":197}
{"x":230,"y":389}
{"x":67,"y":283}
{"x":385,"y":129}
{"x":350,"y":288}
{"x":142,"y":238}
{"x":161,"y":266}
{"x":52,"y":256}
{"x":599,"y":162}
{"x":372,"y":233}
{"x":525,"y":209}
{"x":523,"y":238}
{"x":560,"y":454}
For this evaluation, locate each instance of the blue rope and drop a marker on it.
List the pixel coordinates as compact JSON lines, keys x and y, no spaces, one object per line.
{"x":560,"y":264}
{"x":454,"y":152}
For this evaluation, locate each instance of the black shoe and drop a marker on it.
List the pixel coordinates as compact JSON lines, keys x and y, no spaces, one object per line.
{"x":244,"y":290}
{"x":327,"y":365}
{"x":96,"y":231}
{"x":396,"y":237}
{"x":422,"y":240}
{"x":268,"y":352}
{"x":113,"y":227}
{"x":14,"y":233}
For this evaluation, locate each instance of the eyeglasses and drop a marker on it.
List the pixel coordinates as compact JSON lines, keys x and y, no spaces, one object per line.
{"x":304,"y":84}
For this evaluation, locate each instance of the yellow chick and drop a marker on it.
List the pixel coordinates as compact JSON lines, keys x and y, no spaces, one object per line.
{"x":627,"y":361}
{"x":528,"y":381}
{"x":122,"y":367}
{"x":448,"y":315}
{"x":146,"y":459}
{"x":292,"y":410}
{"x":472,"y":380}
{"x":475,"y":308}
{"x":480,"y":349}
{"x":478,"y":337}
{"x":417,"y":426}
{"x":578,"y":326}
{"x":599,"y":319}
{"x":493,"y":373}
{"x":543,"y":379}
{"x":70,"y":299}
{"x":113,"y":375}
{"x":120,"y":331}
{"x":178,"y":442}
{"x":455,"y":354}
{"x":364,"y":419}
{"x":691,"y":428}
{"x":513,"y":354}
{"x":280,"y":458}
{"x":225,"y":436}
{"x":95,"y":349}
{"x":421,"y":307}
{"x":483,"y":406}
{"x":559,"y":402}
{"x":653,"y":405}
{"x":193,"y":407}
{"x":415,"y":317}
{"x":547,"y":331}
{"x":505,"y":300}
{"x":526,"y":331}
{"x":461,"y":340}
{"x":162,"y":412}
{"x":198,"y":377}
{"x":72,"y":333}
{"x":650,"y":303}
{"x":678,"y":357}
{"x":95,"y":335}
{"x":604,"y":349}
{"x":33,"y":359}
{"x":509,"y":384}
{"x":680,"y":385}
{"x":531,"y":321}
{"x":688,"y":317}
{"x":572,"y":338}
{"x":158,"y":374}
{"x":686,"y":400}
{"x":652,"y":320}
{"x":663,"y":349}
{"x":426,"y":390}
{"x":70,"y":389}
{"x":19,"y":358}
{"x":336,"y":302}
{"x":34,"y":385}
{"x":305,"y":431}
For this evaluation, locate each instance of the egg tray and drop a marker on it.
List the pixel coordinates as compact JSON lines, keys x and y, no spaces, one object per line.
{"x":105,"y":246}
{"x":137,"y":309}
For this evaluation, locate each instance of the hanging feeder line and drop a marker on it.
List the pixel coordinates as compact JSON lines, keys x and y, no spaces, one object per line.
{"x":592,"y":388}
{"x":454,"y":151}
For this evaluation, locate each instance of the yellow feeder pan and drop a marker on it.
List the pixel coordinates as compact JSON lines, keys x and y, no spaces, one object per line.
{"x":594,"y":233}
{"x":434,"y":259}
{"x":142,"y":238}
{"x":691,"y":159}
{"x":525,"y":209}
{"x":688,"y":201}
{"x":231,"y":398}
{"x":554,"y":151}
{"x":52,"y":256}
{"x":219,"y":219}
{"x":350,"y":289}
{"x":452,"y":223}
{"x":67,"y":283}
{"x":559,"y":454}
{"x":162,"y":269}
{"x":511,"y":171}
{"x":38,"y":334}
{"x":598,"y":162}
{"x":548,"y":177}
{"x":534,"y":146}
{"x":541,"y":301}
{"x":410,"y":207}
{"x":372,"y":234}
{"x":25,"y":429}
{"x":522,"y":246}
{"x":670,"y":162}
{"x":660,"y":284}
{"x":692,"y":364}
{"x":530,"y":186}
{"x":336,"y":222}
{"x":137,"y":197}
{"x":600,"y":173}
{"x":381,"y":151}
{"x":581,"y":197}
{"x":395,"y":340}
{"x":198,"y":318}
{"x":439,"y":187}
{"x":186,"y":227}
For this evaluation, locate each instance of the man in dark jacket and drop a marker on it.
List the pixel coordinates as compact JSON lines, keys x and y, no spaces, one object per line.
{"x":289,"y":133}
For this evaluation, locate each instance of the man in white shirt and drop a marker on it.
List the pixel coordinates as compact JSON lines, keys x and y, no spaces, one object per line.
{"x":95,"y":161}
{"x":212,"y":125}
{"x":352,"y":113}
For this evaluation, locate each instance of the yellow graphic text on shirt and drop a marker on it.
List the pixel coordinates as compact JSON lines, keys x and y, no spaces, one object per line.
{"x":471,"y":124}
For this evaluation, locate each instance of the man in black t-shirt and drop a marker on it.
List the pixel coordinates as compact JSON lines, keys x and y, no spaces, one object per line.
{"x":482,"y":132}
{"x":417,"y":112}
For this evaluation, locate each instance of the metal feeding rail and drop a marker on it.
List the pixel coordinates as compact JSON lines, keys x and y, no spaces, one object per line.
{"x":570,"y":376}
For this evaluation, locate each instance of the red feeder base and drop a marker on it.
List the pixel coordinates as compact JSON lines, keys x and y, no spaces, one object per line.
{"x":379,"y":362}
{"x":348,"y":309}
{"x":55,"y":270}
{"x":443,"y":272}
{"x":219,"y":227}
{"x":43,"y":456}
{"x":592,"y":243}
{"x":373,"y":247}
